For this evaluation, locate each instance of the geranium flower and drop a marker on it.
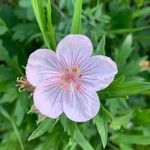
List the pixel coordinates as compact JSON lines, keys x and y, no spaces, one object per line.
{"x":67,"y":81}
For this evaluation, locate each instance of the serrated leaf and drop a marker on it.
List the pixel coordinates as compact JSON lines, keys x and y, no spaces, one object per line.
{"x":101,"y":47}
{"x":82,"y":141}
{"x":68,"y":125}
{"x":46,"y":125}
{"x":102,"y":128}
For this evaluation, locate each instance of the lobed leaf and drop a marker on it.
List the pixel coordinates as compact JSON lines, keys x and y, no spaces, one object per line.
{"x":120,"y":121}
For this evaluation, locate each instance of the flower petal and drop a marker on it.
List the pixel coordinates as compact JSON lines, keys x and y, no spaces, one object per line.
{"x":73,"y":49}
{"x":48,"y":99}
{"x":42,"y":65}
{"x":98,"y":72}
{"x":81,"y":106}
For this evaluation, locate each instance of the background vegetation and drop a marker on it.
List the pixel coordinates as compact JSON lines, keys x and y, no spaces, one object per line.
{"x":119,"y":29}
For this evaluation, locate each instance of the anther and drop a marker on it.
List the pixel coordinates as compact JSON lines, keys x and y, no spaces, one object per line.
{"x":24,"y":85}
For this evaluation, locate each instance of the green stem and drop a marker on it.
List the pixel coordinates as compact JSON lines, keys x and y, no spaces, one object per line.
{"x":51,"y":32}
{"x":44,"y":22}
{"x":76,"y":22}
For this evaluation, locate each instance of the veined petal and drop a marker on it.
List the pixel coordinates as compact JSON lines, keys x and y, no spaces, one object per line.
{"x":73,"y":49}
{"x":42,"y":65}
{"x":98,"y":72}
{"x":81,"y":106}
{"x":48,"y":99}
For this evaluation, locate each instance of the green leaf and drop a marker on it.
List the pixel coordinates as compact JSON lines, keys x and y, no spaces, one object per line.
{"x":3,"y":27}
{"x":46,"y":125}
{"x":132,"y":68}
{"x":11,"y":62}
{"x":21,"y":107}
{"x":80,"y":139}
{"x":76,"y":22}
{"x":125,"y":147}
{"x":115,"y":104}
{"x":107,"y":115}
{"x":102,"y":128}
{"x":142,"y":116}
{"x":3,"y":30}
{"x":141,"y":12}
{"x":4,"y":56}
{"x":7,"y":116}
{"x":9,"y":96}
{"x":139,"y":3}
{"x":129,"y":30}
{"x":126,"y":88}
{"x":22,"y":31}
{"x":118,"y":80}
{"x":118,"y":122}
{"x":68,"y":125}
{"x":131,"y":139}
{"x":24,"y":3}
{"x":124,"y":52}
{"x":101,"y":46}
{"x":5,"y":74}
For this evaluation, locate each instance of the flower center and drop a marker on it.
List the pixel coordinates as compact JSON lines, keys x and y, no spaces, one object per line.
{"x":70,"y":76}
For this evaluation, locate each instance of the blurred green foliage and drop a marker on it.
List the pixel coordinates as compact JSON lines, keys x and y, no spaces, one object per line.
{"x":119,"y":29}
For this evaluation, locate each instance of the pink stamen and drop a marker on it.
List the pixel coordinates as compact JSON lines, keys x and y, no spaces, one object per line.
{"x":78,"y":86}
{"x":70,"y":76}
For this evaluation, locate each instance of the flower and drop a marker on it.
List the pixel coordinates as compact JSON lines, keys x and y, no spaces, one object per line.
{"x":67,"y":81}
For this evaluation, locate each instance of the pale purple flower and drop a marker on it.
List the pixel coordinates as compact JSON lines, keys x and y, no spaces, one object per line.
{"x":67,"y":81}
